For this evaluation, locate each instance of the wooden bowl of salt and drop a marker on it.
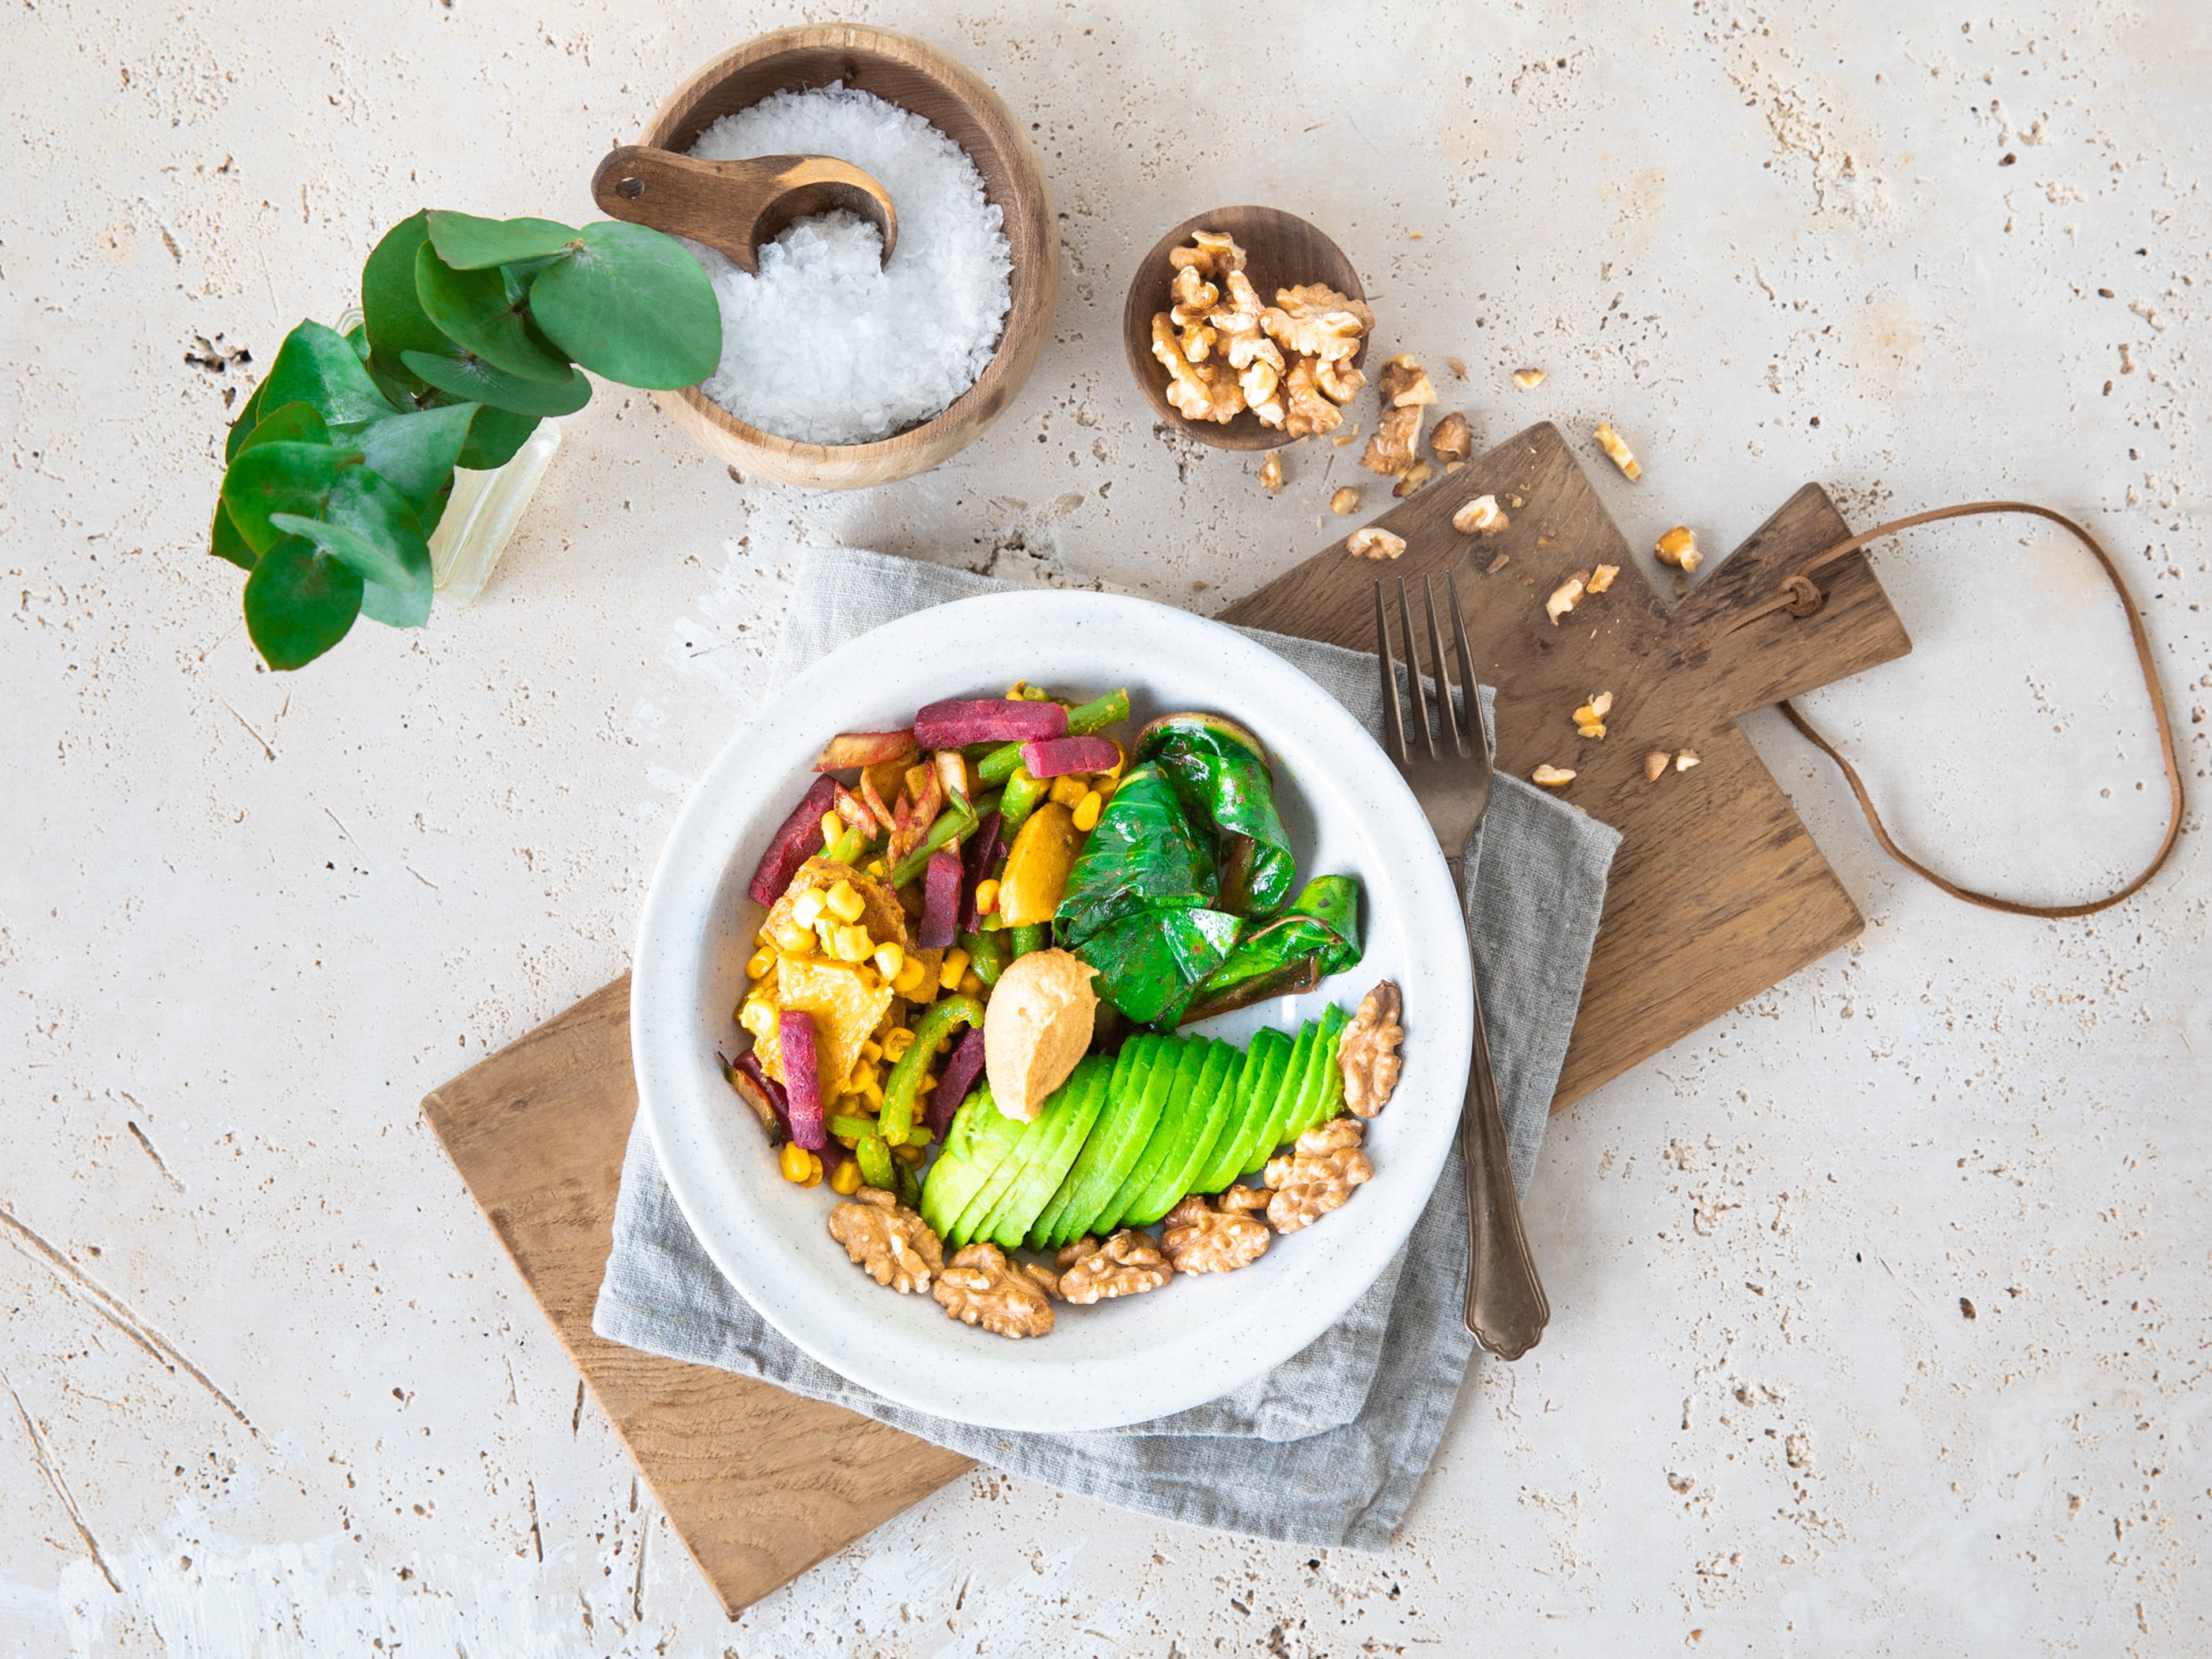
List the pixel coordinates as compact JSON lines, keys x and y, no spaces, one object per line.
{"x":918,"y":78}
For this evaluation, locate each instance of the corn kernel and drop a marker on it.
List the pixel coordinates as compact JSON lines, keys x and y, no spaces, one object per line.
{"x":864,"y":1078}
{"x":912,"y":974}
{"x":796,"y":1161}
{"x":971,"y":984}
{"x":807,"y":909}
{"x":911,"y":1156}
{"x":1067,"y":789}
{"x":897,"y":1042}
{"x":795,"y":941}
{"x":1120,"y":760}
{"x":987,"y":896}
{"x":1018,"y":691}
{"x":876,"y":868}
{"x":1088,"y":809}
{"x":760,"y":963}
{"x":890,"y":960}
{"x":873,"y":1094}
{"x":763,"y":938}
{"x":833,"y":828}
{"x":926,"y":1083}
{"x":813,"y":1170}
{"x":844,"y":903}
{"x":872,"y":1051}
{"x":845,"y":1179}
{"x":852,"y":945}
{"x":956,"y":965}
{"x":757,"y":1016}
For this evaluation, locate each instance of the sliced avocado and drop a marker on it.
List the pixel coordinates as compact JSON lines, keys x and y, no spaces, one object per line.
{"x":1325,"y":1081}
{"x":1287,"y":1095}
{"x":1123,"y":1092}
{"x":1255,"y":1091}
{"x":983,"y":1212}
{"x":1116,"y":1145}
{"x":1082,"y":1097}
{"x":969,"y":1216}
{"x":1200,"y":1126}
{"x":1174,"y":1116}
{"x":981,"y":1137}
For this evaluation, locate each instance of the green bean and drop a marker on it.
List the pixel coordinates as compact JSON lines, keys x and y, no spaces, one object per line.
{"x":875,"y":1159}
{"x":987,"y":954}
{"x":1023,"y":795}
{"x":852,"y":1130}
{"x":939,"y":1020}
{"x":950,"y":823}
{"x":848,"y":846}
{"x":1030,"y":938}
{"x":1082,"y":720}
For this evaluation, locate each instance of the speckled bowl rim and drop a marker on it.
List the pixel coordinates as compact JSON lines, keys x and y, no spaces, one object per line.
{"x":1145,"y":1357}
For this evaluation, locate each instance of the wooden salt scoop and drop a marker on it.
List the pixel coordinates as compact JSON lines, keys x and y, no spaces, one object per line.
{"x":735,"y":206}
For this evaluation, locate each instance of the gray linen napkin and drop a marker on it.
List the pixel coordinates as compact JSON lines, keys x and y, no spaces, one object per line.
{"x":1329,"y":1448}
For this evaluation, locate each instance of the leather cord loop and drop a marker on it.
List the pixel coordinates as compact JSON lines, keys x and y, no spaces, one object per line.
{"x":1792,"y":599}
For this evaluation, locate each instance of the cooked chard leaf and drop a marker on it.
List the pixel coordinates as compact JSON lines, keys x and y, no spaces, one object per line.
{"x":1318,"y":935}
{"x":1150,"y":962}
{"x":1144,"y":855}
{"x":1228,"y":789}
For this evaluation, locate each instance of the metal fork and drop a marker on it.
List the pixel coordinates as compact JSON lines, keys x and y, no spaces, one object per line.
{"x":1449,"y":768}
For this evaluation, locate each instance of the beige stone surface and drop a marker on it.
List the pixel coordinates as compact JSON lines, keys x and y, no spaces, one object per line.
{"x":1881,"y":1317}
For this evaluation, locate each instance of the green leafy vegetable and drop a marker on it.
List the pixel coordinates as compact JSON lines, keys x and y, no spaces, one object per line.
{"x":1144,"y":855}
{"x":1149,"y":964}
{"x":1318,"y":935}
{"x":1221,"y":774}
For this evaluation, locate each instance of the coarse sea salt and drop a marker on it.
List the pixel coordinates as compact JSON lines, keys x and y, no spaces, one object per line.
{"x":827,"y":345}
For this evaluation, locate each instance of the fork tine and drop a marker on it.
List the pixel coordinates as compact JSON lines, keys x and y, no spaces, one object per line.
{"x":1478,"y":724}
{"x":1413,"y":670}
{"x":1393,"y":716}
{"x":1455,"y":734}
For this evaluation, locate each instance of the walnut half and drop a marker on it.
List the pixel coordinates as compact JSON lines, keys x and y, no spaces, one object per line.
{"x":1317,"y":1175}
{"x":981,"y":1287}
{"x":1125,"y":1265}
{"x":1369,"y":1054}
{"x":1198,"y":1238}
{"x":1373,"y":542}
{"x":890,"y":1243}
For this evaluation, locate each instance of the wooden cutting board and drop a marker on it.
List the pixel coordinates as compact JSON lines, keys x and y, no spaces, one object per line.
{"x":1718,"y":893}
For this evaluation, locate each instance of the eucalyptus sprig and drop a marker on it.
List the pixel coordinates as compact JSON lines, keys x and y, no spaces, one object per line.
{"x":341,"y":463}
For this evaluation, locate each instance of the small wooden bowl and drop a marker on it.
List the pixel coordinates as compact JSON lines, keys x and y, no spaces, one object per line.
{"x":900,"y":70}
{"x":1281,"y":251}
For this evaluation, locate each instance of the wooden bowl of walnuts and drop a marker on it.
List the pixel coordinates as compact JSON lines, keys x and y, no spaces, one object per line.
{"x":1246,"y":328}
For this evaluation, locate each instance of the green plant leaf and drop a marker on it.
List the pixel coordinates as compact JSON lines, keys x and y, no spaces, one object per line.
{"x":495,"y":436}
{"x":392,"y":313}
{"x":365,"y":524}
{"x":248,"y":417}
{"x":280,"y":477}
{"x":473,"y":378}
{"x":468,"y":243}
{"x":633,"y":305}
{"x":415,"y":453}
{"x":298,"y":603}
{"x":293,"y":423}
{"x":225,"y":543}
{"x":315,"y":365}
{"x":482,"y":312}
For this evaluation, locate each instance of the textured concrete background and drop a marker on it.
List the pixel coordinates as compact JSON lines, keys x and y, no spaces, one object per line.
{"x":1881,"y":1313}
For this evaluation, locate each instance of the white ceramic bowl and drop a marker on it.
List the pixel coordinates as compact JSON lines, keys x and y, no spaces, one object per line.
{"x":1346,"y":809}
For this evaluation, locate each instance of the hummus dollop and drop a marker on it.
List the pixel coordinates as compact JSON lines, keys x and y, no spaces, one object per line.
{"x":1035,"y":1027}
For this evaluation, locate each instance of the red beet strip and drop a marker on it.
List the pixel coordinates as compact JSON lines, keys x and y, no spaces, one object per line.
{"x":850,"y":748}
{"x":961,"y":1067}
{"x":1057,"y":758}
{"x":798,"y":841}
{"x":988,"y":720}
{"x":940,"y":900}
{"x":986,"y":846}
{"x":802,"y":1078}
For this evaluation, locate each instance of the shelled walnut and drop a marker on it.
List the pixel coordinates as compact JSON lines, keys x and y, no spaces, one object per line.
{"x":1601,"y":578}
{"x":980,"y":1286}
{"x":1345,"y":498}
{"x":1482,"y":517}
{"x":1566,"y":596}
{"x":1271,"y":474}
{"x":1411,"y":479}
{"x":1198,"y":1238}
{"x":1373,"y":542}
{"x":1315,"y":321}
{"x":1318,"y":1174}
{"x":1405,"y":384}
{"x":891,"y":1243}
{"x":1589,"y":719}
{"x":1552,"y":777}
{"x":1679,"y":547}
{"x":1617,"y":447}
{"x":1127,"y":1264}
{"x":1308,"y":409}
{"x":1368,"y":1052}
{"x":1390,"y":448}
{"x":1453,"y":439}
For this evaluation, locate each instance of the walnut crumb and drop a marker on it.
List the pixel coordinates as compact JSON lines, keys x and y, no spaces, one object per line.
{"x":1368,"y":1055}
{"x":1198,"y":1238}
{"x":1566,"y":596}
{"x":1344,"y":499}
{"x":1685,"y":759}
{"x":1457,"y":367}
{"x":1528,"y":379}
{"x":1679,"y":547}
{"x":1500,"y":562}
{"x":1589,"y":719}
{"x":1271,"y":474}
{"x":1480,"y":516}
{"x":1317,"y":1175}
{"x":1390,"y":450}
{"x":1411,"y":479}
{"x":1373,"y":542}
{"x":1654,"y":765}
{"x":1452,"y":441}
{"x":1623,"y":457}
{"x":1601,"y":578}
{"x":1552,"y":777}
{"x":1405,"y":384}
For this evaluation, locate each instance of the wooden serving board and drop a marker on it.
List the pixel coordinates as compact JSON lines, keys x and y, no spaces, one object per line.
{"x":1718,"y":893}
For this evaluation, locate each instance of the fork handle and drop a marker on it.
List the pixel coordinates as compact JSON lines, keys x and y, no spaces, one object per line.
{"x":1506,"y":1309}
